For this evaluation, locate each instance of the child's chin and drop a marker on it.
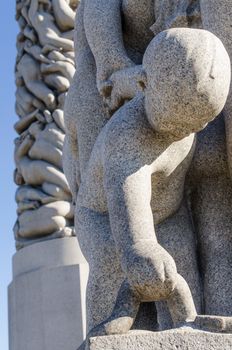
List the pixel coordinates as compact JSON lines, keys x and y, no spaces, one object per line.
{"x":180,"y":136}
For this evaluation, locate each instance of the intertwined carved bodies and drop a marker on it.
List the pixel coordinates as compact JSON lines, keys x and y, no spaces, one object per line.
{"x":44,"y":69}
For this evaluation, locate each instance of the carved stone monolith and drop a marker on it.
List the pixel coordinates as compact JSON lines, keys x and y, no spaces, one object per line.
{"x":47,"y":293}
{"x":44,"y":69}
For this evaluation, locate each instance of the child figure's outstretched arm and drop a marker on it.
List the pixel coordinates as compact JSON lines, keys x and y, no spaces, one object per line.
{"x":150,"y":269}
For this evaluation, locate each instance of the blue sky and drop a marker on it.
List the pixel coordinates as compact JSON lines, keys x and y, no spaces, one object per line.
{"x":8,"y":30}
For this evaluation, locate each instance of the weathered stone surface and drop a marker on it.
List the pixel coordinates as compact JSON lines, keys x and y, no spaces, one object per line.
{"x":144,"y":152}
{"x":185,"y":339}
{"x":108,"y":71}
{"x":211,"y":188}
{"x":86,"y":114}
{"x":217,"y":324}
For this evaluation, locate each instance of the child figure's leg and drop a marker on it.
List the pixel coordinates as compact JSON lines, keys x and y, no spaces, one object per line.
{"x":122,"y":317}
{"x":125,"y":311}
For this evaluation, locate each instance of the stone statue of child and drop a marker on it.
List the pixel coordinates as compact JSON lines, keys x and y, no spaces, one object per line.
{"x":124,"y":27}
{"x":144,"y":152}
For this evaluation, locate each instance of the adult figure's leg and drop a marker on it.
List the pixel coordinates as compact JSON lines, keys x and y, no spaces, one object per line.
{"x":85,"y":117}
{"x":85,"y":114}
{"x":213,"y":198}
{"x":212,"y":209}
{"x":211,"y":206}
{"x":217,"y":18}
{"x":105,"y":273}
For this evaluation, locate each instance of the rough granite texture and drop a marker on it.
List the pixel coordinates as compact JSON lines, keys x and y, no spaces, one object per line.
{"x":211,"y":188}
{"x":167,"y":340}
{"x":150,"y":180}
{"x":144,"y":152}
{"x":86,"y":114}
{"x":108,"y":56}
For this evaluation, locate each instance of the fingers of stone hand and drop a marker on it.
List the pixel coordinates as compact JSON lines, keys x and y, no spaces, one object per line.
{"x":151,"y":270}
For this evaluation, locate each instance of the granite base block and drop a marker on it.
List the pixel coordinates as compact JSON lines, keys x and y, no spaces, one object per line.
{"x":184,"y":339}
{"x":47,"y":297}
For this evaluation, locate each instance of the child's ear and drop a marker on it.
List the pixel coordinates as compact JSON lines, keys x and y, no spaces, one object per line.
{"x":142,"y":80}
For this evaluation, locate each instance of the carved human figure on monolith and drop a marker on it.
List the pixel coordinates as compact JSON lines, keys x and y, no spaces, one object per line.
{"x":41,"y":20}
{"x":135,"y":175}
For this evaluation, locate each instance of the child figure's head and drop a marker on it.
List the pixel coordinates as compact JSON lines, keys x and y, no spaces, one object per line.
{"x":187,"y":80}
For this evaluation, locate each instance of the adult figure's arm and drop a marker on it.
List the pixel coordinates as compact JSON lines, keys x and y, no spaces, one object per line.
{"x":217,"y":18}
{"x":103,"y":28}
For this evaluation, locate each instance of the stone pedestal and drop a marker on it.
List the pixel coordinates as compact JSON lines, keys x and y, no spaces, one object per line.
{"x":186,"y":339}
{"x":47,"y":296}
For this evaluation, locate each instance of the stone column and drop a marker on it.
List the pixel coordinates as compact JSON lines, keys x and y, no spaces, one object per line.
{"x":49,"y":271}
{"x":44,"y":70}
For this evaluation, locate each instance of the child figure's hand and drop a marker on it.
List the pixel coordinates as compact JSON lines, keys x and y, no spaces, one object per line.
{"x":122,"y":85}
{"x":150,"y":270}
{"x":107,"y":68}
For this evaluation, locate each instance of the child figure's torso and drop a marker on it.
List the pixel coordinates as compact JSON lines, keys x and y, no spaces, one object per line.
{"x":130,"y":144}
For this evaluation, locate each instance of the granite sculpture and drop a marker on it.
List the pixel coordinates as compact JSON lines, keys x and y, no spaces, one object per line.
{"x":168,"y":340}
{"x":111,"y":39}
{"x":44,"y":70}
{"x":144,"y":152}
{"x":190,"y":252}
{"x":46,"y":297}
{"x":98,"y":28}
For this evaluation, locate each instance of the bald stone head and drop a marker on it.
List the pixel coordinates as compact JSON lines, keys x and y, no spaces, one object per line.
{"x":187,"y":80}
